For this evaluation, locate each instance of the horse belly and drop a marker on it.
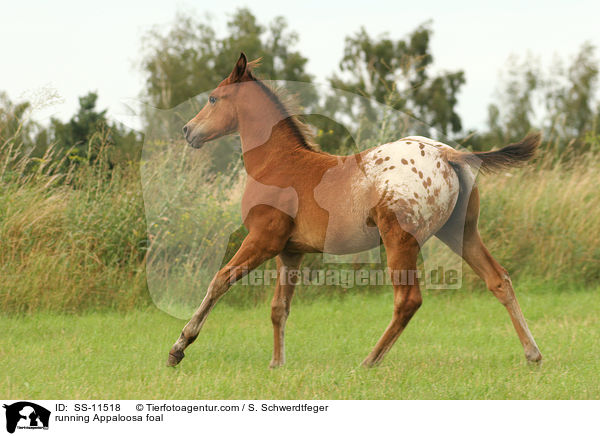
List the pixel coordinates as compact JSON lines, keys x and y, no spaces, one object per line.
{"x":334,"y":218}
{"x":351,"y":234}
{"x":339,"y":221}
{"x":415,"y":181}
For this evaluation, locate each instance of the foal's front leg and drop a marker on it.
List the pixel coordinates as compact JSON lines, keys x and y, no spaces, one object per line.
{"x":287,"y":276}
{"x":250,"y":255}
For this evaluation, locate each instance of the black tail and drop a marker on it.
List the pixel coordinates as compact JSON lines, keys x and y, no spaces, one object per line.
{"x":508,"y":157}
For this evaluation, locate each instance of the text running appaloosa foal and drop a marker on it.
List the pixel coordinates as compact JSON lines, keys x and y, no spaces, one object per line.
{"x":300,"y":200}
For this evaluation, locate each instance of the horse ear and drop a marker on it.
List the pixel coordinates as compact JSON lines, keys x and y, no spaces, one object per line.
{"x":240,"y":69}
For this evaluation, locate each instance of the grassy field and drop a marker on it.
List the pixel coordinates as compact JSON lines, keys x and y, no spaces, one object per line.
{"x":460,"y":345}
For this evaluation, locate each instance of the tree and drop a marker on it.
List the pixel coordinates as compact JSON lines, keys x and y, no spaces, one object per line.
{"x":570,"y":100}
{"x":88,"y":132}
{"x":18,"y":131}
{"x":190,"y":59}
{"x":559,"y":101}
{"x":394,"y":73}
{"x":517,"y":100}
{"x":78,"y":131}
{"x":397,"y":73}
{"x":13,"y":124}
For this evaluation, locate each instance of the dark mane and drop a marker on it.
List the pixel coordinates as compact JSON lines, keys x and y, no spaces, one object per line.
{"x":299,"y":129}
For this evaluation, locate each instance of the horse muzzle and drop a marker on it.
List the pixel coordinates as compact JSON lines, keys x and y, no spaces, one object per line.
{"x":194,"y":138}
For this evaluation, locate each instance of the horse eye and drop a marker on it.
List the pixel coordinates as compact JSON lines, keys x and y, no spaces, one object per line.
{"x":212,"y":99}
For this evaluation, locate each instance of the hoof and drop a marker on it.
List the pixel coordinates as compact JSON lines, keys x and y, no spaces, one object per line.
{"x":175,"y":357}
{"x":534,"y":357}
{"x":368,"y":363}
{"x":276,"y":364}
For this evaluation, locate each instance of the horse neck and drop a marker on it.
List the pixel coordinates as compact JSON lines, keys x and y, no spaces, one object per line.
{"x":267,"y":137}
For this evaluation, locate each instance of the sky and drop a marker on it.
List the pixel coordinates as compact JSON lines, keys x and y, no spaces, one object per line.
{"x":67,"y":48}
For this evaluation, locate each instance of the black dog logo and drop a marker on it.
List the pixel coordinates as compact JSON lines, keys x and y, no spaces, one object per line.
{"x":26,"y":415}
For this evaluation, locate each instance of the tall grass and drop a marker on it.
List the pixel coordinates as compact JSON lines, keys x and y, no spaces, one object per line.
{"x":543,"y":221}
{"x":73,"y":236}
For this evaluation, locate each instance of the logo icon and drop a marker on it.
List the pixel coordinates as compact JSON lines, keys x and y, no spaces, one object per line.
{"x":26,"y":415}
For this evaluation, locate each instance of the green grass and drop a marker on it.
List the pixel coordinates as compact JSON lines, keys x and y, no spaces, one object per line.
{"x":460,"y":345}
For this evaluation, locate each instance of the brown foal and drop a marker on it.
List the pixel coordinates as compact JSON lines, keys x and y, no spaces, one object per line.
{"x":300,"y":200}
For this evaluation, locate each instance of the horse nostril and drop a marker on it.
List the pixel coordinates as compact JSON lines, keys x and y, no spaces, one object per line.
{"x":185,"y":130}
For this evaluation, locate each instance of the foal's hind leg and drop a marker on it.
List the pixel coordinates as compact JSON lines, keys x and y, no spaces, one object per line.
{"x":470,"y":246}
{"x":497,"y":280}
{"x":287,"y":267}
{"x":402,"y":250}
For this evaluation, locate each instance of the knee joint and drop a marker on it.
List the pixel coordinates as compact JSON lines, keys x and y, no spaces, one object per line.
{"x":415,"y":301}
{"x":218,"y":286}
{"x":502,"y":289}
{"x":279,"y":312}
{"x":409,"y":303}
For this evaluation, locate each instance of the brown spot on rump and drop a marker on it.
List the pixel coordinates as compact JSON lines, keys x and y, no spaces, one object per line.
{"x":379,"y":161}
{"x":422,"y":153}
{"x":430,"y":200}
{"x":408,"y":142}
{"x":414,"y":170}
{"x":436,"y":191}
{"x":412,"y":201}
{"x":392,"y":167}
{"x":428,"y":181}
{"x":412,"y":161}
{"x":421,"y":146}
{"x":385,"y":169}
{"x":420,"y":174}
{"x":387,"y":158}
{"x":405,"y":162}
{"x":446,"y":173}
{"x":403,"y":206}
{"x":424,"y":184}
{"x":416,"y":195}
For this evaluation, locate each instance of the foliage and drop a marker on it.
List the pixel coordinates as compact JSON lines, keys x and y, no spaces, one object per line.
{"x":26,"y":137}
{"x":560,"y":101}
{"x":11,"y":114}
{"x":83,"y":136}
{"x":396,"y":73}
{"x":190,"y":58}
